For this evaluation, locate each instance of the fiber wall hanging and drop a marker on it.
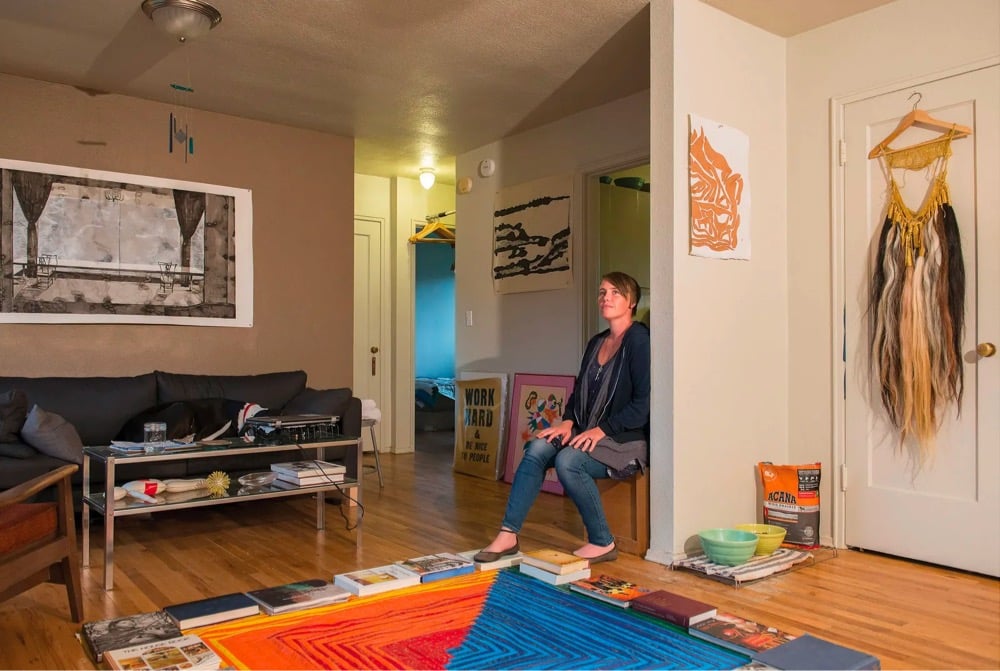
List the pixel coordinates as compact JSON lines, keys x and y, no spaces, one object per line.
{"x":916,"y":310}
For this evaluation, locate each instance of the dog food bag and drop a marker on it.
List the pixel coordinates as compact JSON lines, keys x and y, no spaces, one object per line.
{"x":791,"y":500}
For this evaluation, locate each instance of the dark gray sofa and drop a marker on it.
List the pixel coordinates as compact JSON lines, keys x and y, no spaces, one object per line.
{"x":98,"y":407}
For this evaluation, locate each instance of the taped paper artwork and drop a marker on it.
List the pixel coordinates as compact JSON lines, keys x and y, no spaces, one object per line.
{"x":719,"y":169}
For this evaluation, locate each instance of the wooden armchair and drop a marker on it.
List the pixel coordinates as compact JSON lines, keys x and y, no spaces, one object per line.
{"x":38,"y":540}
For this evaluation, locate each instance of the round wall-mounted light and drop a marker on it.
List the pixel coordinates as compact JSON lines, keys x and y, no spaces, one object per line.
{"x":427,"y":177}
{"x":184,"y":19}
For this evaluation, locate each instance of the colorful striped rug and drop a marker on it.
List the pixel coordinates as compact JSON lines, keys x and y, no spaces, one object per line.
{"x":488,"y":620}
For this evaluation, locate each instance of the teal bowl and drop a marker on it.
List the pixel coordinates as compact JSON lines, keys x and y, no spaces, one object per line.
{"x":728,"y":546}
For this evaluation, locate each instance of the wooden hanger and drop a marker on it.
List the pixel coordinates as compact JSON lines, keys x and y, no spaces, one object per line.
{"x":921,"y":119}
{"x":444,"y":233}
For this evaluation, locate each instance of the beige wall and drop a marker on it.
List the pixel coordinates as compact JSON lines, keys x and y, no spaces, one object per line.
{"x":537,"y":332}
{"x":302,"y":204}
{"x":720,"y":370}
{"x":902,"y":41}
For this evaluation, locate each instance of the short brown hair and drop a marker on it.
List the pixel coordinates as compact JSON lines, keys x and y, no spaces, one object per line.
{"x":627,"y":285}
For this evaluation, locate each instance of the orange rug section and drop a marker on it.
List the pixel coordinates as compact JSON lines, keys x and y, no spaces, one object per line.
{"x":411,"y":628}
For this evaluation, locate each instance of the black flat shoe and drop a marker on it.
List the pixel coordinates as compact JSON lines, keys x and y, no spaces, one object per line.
{"x":610,"y":555}
{"x":484,"y":557}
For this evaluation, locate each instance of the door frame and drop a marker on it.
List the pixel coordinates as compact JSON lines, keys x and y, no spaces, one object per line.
{"x":838,"y":366}
{"x":385,"y":341}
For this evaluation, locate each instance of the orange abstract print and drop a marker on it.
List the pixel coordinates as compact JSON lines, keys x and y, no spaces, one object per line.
{"x":716,"y":192}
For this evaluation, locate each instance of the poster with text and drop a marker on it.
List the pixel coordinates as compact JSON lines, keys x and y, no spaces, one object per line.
{"x":719,"y":172}
{"x":531,"y":236}
{"x":477,"y":431}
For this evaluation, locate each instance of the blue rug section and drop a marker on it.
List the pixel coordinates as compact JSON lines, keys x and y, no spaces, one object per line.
{"x":529,"y":624}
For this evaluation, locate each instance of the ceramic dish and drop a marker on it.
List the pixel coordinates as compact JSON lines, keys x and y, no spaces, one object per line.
{"x":258,"y":479}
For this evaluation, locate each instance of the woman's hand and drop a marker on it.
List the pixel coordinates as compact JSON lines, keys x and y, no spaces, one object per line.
{"x":588,"y":439}
{"x":563,"y":430}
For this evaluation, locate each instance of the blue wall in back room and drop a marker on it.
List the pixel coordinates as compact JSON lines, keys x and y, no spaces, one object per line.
{"x":434,"y":313}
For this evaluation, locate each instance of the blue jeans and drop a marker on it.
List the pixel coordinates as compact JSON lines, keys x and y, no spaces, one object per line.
{"x":577,"y":472}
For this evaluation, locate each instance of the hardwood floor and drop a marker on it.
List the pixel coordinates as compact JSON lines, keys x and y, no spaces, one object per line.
{"x":908,"y":614}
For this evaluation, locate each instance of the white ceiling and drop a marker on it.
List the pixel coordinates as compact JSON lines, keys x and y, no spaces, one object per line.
{"x":414,"y":82}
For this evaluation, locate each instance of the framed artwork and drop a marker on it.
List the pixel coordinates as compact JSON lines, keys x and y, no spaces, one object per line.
{"x":537,"y":402}
{"x":88,"y":246}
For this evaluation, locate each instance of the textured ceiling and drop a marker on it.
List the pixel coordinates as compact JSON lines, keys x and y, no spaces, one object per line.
{"x":414,"y":82}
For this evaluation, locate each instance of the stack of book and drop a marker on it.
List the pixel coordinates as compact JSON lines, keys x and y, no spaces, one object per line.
{"x":308,"y":473}
{"x":554,"y":566}
{"x":298,"y":596}
{"x":616,"y":591}
{"x":438,"y":566}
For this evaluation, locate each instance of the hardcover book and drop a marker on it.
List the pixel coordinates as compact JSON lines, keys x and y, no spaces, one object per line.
{"x":811,"y":653}
{"x":298,"y":595}
{"x":212,"y":610}
{"x":308,"y":467}
{"x":310,"y":480}
{"x":377,"y":580}
{"x":503,"y":562}
{"x":122,"y":632}
{"x":438,"y":566}
{"x":609,"y":589}
{"x":673,"y":608}
{"x":736,"y":633}
{"x":553,"y":578}
{"x":183,"y":652}
{"x":555,"y":561}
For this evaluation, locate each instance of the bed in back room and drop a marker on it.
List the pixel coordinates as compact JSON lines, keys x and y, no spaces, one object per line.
{"x":435,"y":403}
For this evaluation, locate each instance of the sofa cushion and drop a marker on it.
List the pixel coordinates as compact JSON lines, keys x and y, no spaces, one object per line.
{"x":271,"y":390}
{"x":13,"y":411}
{"x":15,"y":471}
{"x":311,"y":401}
{"x":17,"y":450}
{"x":96,"y":406}
{"x":52,"y":435}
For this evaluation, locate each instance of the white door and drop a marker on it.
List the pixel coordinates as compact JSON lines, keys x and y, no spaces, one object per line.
{"x":949,"y":512}
{"x":369,"y":346}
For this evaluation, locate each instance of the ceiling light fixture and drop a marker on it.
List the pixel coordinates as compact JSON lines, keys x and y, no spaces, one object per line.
{"x":184,"y":19}
{"x":427,"y":177}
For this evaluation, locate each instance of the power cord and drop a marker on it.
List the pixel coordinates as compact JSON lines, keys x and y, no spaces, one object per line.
{"x":348,"y":526}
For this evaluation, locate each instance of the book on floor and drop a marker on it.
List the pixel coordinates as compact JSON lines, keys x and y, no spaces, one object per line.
{"x":438,"y":566}
{"x":100,"y":636}
{"x":555,"y":561}
{"x":503,"y":562}
{"x":212,"y":610}
{"x":739,"y":634}
{"x":308,"y":467}
{"x":298,"y":595}
{"x":673,"y":608}
{"x":553,"y":578}
{"x":377,"y":580}
{"x":616,"y":591}
{"x":810,"y":653}
{"x":182,"y":652}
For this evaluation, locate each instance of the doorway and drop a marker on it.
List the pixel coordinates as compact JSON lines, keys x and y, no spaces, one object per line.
{"x":945,"y":511}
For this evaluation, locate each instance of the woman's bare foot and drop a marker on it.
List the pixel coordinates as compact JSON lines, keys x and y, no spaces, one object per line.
{"x":504,"y":541}
{"x":589,"y":551}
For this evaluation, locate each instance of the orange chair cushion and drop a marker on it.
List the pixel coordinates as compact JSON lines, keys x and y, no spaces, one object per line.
{"x":24,"y":523}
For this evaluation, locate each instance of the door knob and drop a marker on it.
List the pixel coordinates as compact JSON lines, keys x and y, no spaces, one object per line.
{"x":374,"y":350}
{"x":985,"y":349}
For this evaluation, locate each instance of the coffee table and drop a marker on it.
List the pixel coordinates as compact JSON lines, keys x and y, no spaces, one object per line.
{"x":97,"y":501}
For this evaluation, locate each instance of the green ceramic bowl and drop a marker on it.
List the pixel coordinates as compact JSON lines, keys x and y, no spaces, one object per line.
{"x":769,"y":536}
{"x":728,"y":546}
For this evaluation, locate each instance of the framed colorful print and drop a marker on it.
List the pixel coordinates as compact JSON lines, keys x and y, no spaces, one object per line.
{"x":537,"y":402}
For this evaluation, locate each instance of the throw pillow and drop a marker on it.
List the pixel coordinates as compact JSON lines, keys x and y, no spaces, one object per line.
{"x":52,"y":435}
{"x":13,"y":411}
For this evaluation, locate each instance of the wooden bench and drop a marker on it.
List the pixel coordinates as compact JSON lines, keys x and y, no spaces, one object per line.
{"x":626,"y":505}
